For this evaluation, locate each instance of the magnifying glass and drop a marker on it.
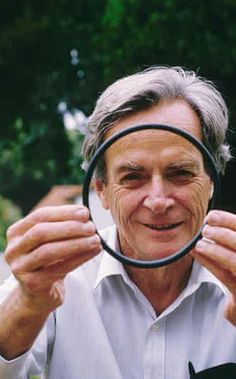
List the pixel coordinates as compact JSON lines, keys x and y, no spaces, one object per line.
{"x":210,"y":169}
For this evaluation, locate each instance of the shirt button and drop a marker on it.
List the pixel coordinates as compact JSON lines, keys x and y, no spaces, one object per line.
{"x":155,"y":327}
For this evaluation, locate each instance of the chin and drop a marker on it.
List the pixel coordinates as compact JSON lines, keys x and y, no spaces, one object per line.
{"x":160,"y":252}
{"x":154,"y":255}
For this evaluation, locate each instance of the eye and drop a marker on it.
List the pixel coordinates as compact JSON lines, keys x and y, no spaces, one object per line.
{"x":181,"y":176}
{"x":132,"y":179}
{"x":183,"y":173}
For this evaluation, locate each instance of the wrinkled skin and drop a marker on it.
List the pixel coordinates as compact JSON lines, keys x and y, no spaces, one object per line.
{"x":157,"y":188}
{"x":143,"y":196}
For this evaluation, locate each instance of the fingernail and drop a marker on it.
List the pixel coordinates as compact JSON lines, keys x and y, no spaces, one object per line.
{"x":213,"y":218}
{"x":207,"y":231}
{"x":95,"y":239}
{"x":82,"y":212}
{"x":201,"y":245}
{"x":89,"y":227}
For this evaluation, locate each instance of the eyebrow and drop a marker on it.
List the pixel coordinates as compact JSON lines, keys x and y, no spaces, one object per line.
{"x":127,"y":167}
{"x":133,"y":167}
{"x":186,"y":165}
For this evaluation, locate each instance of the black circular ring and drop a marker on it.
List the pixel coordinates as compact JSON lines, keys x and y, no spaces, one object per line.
{"x":93,"y":163}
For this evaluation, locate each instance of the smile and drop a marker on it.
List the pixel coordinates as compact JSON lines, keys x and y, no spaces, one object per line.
{"x":163,"y":227}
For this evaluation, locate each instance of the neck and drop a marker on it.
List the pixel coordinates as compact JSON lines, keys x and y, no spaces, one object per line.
{"x":162,"y":285}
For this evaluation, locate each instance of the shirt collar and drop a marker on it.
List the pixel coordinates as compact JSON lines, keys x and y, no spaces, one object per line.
{"x":110,"y":266}
{"x":201,"y":275}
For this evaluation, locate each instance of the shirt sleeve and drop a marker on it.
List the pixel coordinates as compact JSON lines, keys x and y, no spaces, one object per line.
{"x":16,"y":368}
{"x":33,"y":361}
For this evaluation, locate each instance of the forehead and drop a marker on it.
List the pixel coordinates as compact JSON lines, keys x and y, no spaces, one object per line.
{"x":177,"y":113}
{"x":156,"y":144}
{"x":149,"y":148}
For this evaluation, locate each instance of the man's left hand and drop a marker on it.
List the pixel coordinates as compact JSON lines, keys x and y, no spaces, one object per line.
{"x":217,"y":252}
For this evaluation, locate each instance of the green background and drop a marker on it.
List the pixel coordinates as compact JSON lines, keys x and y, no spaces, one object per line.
{"x":111,"y":38}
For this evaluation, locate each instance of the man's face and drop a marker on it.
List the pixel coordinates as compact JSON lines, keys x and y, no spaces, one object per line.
{"x":157,"y":189}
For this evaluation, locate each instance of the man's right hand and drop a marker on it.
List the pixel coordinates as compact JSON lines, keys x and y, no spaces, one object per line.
{"x":45,"y":246}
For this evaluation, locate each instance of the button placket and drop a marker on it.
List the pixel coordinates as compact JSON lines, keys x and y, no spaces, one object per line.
{"x":154,"y":353}
{"x":155,"y":327}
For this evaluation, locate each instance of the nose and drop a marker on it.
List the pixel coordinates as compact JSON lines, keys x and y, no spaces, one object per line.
{"x":158,"y":198}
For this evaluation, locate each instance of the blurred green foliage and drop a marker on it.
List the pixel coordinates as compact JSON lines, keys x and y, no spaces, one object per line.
{"x":9,"y":213}
{"x":111,"y":38}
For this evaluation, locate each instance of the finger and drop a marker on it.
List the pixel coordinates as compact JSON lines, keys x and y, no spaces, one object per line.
{"x":221,"y":235}
{"x":61,"y":268}
{"x":45,"y":277}
{"x":221,"y":218}
{"x":220,"y":254}
{"x":225,"y":276}
{"x":52,"y":252}
{"x":219,"y":260}
{"x":48,"y":214}
{"x":46,"y":232}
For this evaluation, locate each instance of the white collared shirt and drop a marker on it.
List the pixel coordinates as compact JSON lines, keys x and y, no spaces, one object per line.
{"x":107,"y":329}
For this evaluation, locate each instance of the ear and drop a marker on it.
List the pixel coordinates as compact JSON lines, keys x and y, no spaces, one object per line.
{"x":100,"y":188}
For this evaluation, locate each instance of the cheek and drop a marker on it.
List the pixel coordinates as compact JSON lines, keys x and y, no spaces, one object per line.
{"x":123,"y":203}
{"x":198,"y":199}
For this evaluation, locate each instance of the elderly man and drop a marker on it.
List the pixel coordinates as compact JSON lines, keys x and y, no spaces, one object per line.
{"x":74,"y":311}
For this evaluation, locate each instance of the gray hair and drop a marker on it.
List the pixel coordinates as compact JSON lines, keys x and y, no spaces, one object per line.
{"x":147,"y":88}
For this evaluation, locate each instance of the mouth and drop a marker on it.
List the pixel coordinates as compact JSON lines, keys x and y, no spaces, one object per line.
{"x":164,"y":227}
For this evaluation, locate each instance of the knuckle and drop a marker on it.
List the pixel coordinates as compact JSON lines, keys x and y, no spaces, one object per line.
{"x":37,"y":233}
{"x":15,"y":268}
{"x":70,"y":228}
{"x":11,"y":250}
{"x":11,"y":231}
{"x":30,"y":283}
{"x":18,"y":268}
{"x":8,"y":254}
{"x":37,"y":216}
{"x":42,"y":255}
